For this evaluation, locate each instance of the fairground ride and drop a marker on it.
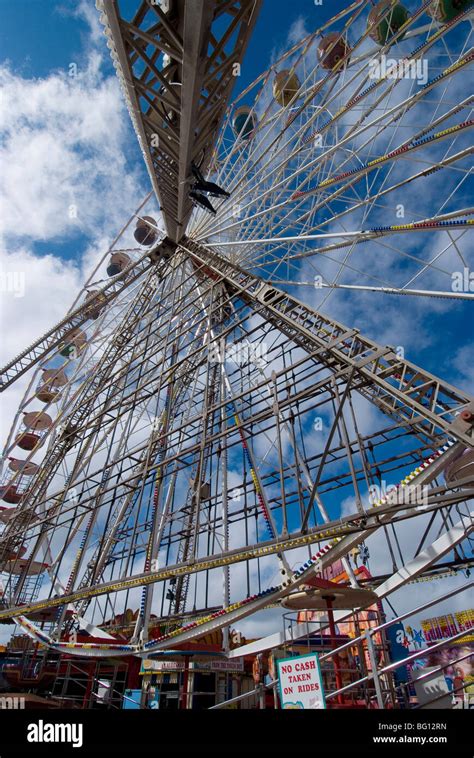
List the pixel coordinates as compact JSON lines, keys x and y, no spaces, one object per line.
{"x":198,"y":439}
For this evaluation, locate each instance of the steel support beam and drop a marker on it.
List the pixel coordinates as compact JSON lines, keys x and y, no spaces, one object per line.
{"x":202,"y":40}
{"x":49,"y":341}
{"x":407,"y":573}
{"x":400,"y":389}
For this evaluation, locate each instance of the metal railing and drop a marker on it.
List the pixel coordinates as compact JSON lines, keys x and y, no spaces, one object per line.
{"x":377,"y":673}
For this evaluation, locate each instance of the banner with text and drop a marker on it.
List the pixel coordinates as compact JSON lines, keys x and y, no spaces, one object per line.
{"x":301,"y":682}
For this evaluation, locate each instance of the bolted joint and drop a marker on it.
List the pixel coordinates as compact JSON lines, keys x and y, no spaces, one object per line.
{"x":163,"y":251}
{"x":464,"y":421}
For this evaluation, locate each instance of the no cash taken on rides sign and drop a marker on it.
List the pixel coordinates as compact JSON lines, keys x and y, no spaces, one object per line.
{"x":301,"y":684}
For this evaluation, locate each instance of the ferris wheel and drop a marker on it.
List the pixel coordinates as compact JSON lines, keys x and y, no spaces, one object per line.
{"x":344,"y":158}
{"x":198,"y":437}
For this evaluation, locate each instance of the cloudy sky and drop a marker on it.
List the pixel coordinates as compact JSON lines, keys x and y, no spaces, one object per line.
{"x":72,"y":174}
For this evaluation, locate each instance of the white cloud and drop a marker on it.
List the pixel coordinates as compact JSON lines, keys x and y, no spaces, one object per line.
{"x":64,"y":155}
{"x":66,"y":183}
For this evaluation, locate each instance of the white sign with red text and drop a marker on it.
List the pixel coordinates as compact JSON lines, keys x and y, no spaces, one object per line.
{"x":301,"y":683}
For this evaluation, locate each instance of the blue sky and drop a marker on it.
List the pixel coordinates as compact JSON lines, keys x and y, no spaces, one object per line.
{"x":40,"y":40}
{"x":70,"y":141}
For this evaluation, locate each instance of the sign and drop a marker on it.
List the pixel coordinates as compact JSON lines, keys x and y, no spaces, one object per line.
{"x":432,"y":692}
{"x":132,"y":700}
{"x":443,"y":627}
{"x":257,"y":669}
{"x":236,"y":664}
{"x":301,"y":682}
{"x":153,"y":698}
{"x":150,"y":666}
{"x":273,"y":657}
{"x":398,"y":644}
{"x":104,"y":690}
